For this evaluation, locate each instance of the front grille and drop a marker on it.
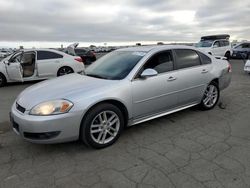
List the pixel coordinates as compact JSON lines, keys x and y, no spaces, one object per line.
{"x":20,"y":108}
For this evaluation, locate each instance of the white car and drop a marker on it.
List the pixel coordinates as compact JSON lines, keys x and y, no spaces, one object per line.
{"x":38,"y":64}
{"x":216,"y":45}
{"x":247,"y":67}
{"x":4,"y":53}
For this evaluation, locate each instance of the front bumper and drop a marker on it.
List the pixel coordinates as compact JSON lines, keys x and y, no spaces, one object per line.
{"x":46,"y":129}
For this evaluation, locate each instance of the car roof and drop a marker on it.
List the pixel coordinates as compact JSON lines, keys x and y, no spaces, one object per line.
{"x":161,"y":47}
{"x":215,"y":37}
{"x":42,"y":49}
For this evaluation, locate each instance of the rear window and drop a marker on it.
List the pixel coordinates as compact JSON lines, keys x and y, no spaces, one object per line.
{"x":186,"y":58}
{"x":42,"y":55}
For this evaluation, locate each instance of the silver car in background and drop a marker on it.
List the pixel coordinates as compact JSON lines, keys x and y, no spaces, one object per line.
{"x":123,"y":88}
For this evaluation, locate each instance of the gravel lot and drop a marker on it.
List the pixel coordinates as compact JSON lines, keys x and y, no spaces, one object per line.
{"x":188,"y":149}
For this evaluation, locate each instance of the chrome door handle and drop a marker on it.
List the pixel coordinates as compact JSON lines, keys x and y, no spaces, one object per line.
{"x":171,"y":78}
{"x":204,"y":71}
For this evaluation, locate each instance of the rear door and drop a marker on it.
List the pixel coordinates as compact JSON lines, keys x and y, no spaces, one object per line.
{"x":48,"y":63}
{"x":14,"y":68}
{"x":193,"y":75}
{"x":158,"y":93}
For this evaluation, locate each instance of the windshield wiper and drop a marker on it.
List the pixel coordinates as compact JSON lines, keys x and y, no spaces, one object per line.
{"x":96,"y":76}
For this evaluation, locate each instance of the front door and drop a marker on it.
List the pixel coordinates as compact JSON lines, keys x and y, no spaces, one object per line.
{"x":158,"y":93}
{"x":14,"y":68}
{"x":15,"y":71}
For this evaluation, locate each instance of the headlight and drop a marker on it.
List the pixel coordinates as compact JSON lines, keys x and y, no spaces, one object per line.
{"x":51,"y":108}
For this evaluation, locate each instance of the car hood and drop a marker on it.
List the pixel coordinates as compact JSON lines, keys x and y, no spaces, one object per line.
{"x":66,"y":87}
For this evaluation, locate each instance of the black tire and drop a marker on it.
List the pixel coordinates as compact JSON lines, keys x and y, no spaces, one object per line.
{"x":64,"y":71}
{"x":85,"y":132}
{"x":2,"y":80}
{"x":203,"y":104}
{"x":227,"y":55}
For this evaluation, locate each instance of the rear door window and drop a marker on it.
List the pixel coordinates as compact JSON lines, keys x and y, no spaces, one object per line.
{"x":217,"y":43}
{"x":222,"y":43}
{"x":226,"y":43}
{"x":186,"y":58}
{"x":43,"y":55}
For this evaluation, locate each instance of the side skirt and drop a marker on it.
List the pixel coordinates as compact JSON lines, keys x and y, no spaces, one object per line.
{"x":157,"y":115}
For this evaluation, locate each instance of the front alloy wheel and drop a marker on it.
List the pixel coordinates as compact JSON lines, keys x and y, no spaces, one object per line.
{"x":102,"y":126}
{"x":105,"y":127}
{"x":211,"y":96}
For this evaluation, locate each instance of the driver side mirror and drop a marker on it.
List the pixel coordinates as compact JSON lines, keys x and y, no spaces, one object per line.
{"x":149,"y":73}
{"x":216,"y":46}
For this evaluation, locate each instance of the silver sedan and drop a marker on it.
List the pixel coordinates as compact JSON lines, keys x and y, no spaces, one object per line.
{"x":123,"y":88}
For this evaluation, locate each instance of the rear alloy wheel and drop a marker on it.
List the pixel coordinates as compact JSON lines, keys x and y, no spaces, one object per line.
{"x":2,"y":80}
{"x":211,"y":96}
{"x":64,"y":70}
{"x":102,"y":126}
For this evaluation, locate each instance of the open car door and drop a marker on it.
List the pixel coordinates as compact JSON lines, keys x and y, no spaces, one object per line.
{"x":14,"y":69}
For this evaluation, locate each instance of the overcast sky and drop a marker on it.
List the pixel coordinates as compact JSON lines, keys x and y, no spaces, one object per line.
{"x":49,"y":22}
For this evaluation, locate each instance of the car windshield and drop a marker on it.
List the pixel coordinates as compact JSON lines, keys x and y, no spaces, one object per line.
{"x":204,"y":44}
{"x":115,"y":65}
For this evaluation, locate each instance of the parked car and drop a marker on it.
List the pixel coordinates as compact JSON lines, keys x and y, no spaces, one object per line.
{"x":216,"y":45}
{"x":242,"y":51}
{"x":4,"y":53}
{"x":38,"y":64}
{"x":123,"y":88}
{"x":247,"y":66}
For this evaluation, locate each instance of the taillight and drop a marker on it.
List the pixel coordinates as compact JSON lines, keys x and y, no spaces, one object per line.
{"x":229,"y":69}
{"x":79,"y":59}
